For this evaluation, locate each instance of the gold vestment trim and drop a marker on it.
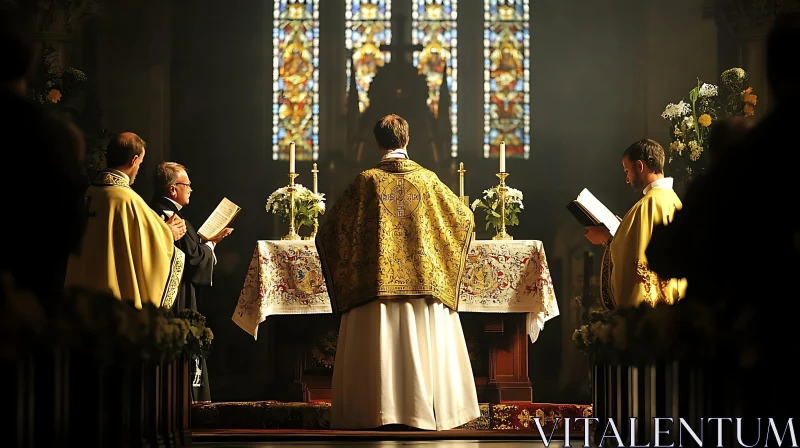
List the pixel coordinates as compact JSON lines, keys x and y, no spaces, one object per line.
{"x":176,"y":266}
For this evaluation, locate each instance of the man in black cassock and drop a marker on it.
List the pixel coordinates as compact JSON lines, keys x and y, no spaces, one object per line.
{"x":172,"y":191}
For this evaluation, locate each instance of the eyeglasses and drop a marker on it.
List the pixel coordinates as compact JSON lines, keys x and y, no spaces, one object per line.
{"x":184,"y":184}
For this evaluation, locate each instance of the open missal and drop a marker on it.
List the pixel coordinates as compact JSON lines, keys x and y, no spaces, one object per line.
{"x":591,"y":212}
{"x":222,"y":216}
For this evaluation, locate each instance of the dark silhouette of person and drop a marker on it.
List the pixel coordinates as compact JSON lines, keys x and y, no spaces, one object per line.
{"x":738,"y":244}
{"x":42,"y":153}
{"x":735,"y":219}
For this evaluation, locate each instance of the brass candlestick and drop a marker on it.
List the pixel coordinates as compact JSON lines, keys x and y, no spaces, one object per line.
{"x":461,"y":171}
{"x":292,"y":235}
{"x":314,"y":172}
{"x":502,"y":190}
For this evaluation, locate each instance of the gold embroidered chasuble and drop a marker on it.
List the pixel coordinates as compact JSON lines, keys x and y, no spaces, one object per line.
{"x":128,"y":250}
{"x":626,"y":278}
{"x":396,"y":231}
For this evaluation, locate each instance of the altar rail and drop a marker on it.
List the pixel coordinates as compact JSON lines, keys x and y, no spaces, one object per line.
{"x":86,"y":369}
{"x":57,"y":398}
{"x":690,"y":392}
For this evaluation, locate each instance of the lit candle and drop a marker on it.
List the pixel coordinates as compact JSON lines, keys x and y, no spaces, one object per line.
{"x":502,"y":157}
{"x":291,"y":157}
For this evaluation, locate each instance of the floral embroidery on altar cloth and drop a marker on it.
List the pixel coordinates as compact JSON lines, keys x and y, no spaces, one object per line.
{"x":285,"y":277}
{"x":507,"y":277}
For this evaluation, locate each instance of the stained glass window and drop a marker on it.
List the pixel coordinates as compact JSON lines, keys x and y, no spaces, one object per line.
{"x":367,"y":27}
{"x":506,"y":87}
{"x":433,"y":25}
{"x":295,"y":74}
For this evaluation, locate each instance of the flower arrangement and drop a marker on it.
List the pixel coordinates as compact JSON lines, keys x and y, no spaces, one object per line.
{"x":53,"y":87}
{"x":490,"y":204}
{"x":68,"y":92}
{"x":324,"y":350}
{"x":690,"y":121}
{"x":100,"y":326}
{"x":162,"y":337}
{"x":199,"y":337}
{"x":307,"y":205}
{"x":690,"y":330}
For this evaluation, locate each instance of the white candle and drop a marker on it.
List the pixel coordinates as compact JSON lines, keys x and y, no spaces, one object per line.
{"x":291,"y":157}
{"x":315,"y":178}
{"x":502,"y":157}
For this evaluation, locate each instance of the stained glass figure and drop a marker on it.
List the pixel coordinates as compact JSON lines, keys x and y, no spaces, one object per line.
{"x":506,"y":110}
{"x":295,"y":74}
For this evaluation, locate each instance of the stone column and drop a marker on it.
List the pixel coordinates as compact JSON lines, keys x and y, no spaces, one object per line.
{"x":470,"y":87}
{"x":332,"y":92}
{"x":750,"y":21}
{"x":58,"y":23}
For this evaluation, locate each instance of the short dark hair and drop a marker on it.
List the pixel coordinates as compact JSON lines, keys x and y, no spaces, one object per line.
{"x":166,"y":176}
{"x":16,"y":47}
{"x":123,"y":148}
{"x":782,"y":42}
{"x":391,"y":132}
{"x":649,"y":152}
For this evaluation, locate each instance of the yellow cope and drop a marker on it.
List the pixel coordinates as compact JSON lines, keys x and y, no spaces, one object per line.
{"x":626,"y":278}
{"x":396,"y":231}
{"x":128,"y":249}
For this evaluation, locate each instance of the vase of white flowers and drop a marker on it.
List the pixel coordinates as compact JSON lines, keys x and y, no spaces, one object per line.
{"x":490,"y":203}
{"x":690,"y":122}
{"x":307,"y":205}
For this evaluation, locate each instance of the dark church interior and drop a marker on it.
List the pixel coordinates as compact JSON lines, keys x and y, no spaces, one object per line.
{"x":264,"y":113}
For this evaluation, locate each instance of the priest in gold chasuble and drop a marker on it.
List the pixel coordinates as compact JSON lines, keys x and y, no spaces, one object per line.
{"x":626,"y":278}
{"x":393,"y":249}
{"x":397,"y":231}
{"x":128,"y":250}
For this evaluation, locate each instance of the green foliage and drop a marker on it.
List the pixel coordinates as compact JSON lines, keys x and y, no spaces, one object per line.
{"x":101,"y":326}
{"x":691,"y":331}
{"x":199,"y":337}
{"x":307,"y":205}
{"x":690,"y":123}
{"x":490,"y":203}
{"x":67,"y":92}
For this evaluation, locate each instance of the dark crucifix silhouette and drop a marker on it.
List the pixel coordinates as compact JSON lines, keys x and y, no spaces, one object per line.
{"x":399,"y":88}
{"x":400,"y":46}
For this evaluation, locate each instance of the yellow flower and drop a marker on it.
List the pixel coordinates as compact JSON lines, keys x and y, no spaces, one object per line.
{"x":676,"y":146}
{"x":748,"y":96}
{"x":694,"y":151}
{"x":748,"y":110}
{"x":54,"y":96}
{"x":704,"y":120}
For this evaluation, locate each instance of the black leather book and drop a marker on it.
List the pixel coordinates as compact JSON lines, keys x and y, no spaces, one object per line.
{"x":591,"y":212}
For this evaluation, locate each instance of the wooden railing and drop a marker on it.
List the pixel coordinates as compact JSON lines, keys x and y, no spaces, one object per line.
{"x":690,"y":392}
{"x":737,"y":368}
{"x":87,"y":369}
{"x":59,"y":399}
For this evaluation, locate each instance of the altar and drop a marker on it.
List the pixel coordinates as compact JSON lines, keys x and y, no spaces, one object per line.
{"x":506,"y":298}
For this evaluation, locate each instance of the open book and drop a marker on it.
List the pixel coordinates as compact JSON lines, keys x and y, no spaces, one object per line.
{"x":222,"y":216}
{"x":591,"y":212}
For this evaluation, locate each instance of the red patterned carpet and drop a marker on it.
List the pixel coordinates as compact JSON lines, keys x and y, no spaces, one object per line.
{"x":276,"y":415}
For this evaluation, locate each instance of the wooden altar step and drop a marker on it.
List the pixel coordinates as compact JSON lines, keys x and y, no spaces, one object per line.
{"x":315,"y":416}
